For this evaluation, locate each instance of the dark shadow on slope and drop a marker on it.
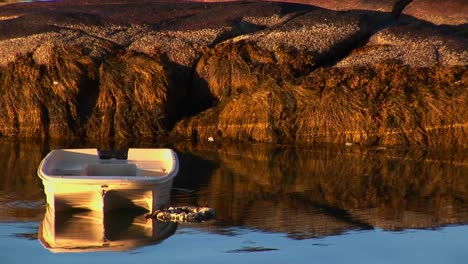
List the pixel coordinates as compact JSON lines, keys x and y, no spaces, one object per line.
{"x":44,"y":21}
{"x":87,"y":98}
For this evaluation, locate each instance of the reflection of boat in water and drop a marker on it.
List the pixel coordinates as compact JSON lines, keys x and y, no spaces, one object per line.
{"x":103,"y":181}
{"x":88,"y":231}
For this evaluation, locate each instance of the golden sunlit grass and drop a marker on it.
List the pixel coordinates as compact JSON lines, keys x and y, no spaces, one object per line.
{"x":389,"y":104}
{"x":40,"y":101}
{"x":261,"y":97}
{"x":74,"y":95}
{"x":132,"y":101}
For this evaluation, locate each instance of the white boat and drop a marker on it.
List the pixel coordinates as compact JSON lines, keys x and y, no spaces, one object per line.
{"x":104,"y":181}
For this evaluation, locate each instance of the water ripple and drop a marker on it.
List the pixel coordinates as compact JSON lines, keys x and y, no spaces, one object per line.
{"x":251,"y":250}
{"x":26,"y":204}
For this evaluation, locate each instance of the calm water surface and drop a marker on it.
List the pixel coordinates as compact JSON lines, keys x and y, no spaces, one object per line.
{"x":274,"y":203}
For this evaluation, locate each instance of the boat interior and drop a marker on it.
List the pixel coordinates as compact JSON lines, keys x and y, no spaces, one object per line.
{"x":109,"y":169}
{"x":87,"y":163}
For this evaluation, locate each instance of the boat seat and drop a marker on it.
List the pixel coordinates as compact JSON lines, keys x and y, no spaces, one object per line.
{"x":111,"y":170}
{"x":151,"y":172}
{"x":68,"y":172}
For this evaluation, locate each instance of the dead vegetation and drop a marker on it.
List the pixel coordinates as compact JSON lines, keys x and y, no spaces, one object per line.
{"x":389,"y":104}
{"x":132,"y":100}
{"x":253,"y":95}
{"x":126,"y":96}
{"x":258,"y":96}
{"x":43,"y":101}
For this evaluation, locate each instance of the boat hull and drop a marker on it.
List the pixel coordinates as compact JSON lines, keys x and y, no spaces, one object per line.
{"x":63,"y":196}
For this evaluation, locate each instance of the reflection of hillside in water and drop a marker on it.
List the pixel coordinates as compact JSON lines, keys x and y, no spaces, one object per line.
{"x":21,"y":195}
{"x":298,"y":191}
{"x":317,"y":192}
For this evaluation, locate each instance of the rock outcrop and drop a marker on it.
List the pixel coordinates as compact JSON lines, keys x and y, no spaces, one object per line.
{"x":438,"y":12}
{"x":367,"y":72}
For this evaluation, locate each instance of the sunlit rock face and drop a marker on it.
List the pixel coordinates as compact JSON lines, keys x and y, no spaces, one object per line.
{"x":454,"y":12}
{"x":417,"y":45}
{"x":367,"y":72}
{"x":439,"y":12}
{"x":179,"y":30}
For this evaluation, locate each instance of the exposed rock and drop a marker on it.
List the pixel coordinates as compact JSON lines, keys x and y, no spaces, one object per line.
{"x":181,"y":47}
{"x":259,"y":92}
{"x":189,"y":25}
{"x":317,"y":31}
{"x":415,"y":45}
{"x":41,"y":44}
{"x":453,"y":12}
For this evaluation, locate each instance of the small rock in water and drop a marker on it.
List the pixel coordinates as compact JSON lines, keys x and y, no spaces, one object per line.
{"x":210,"y":139}
{"x":184,"y":214}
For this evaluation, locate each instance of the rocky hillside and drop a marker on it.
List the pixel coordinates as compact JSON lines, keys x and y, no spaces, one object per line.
{"x":368,"y":72}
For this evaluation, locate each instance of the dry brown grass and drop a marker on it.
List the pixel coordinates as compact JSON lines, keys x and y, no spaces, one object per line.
{"x":250,"y":116}
{"x":260,"y":96}
{"x":389,"y":104}
{"x":233,"y":68}
{"x":132,"y":101}
{"x":124,"y":97}
{"x":41,"y":101}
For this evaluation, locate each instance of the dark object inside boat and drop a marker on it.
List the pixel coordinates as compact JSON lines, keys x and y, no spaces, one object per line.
{"x":121,"y":154}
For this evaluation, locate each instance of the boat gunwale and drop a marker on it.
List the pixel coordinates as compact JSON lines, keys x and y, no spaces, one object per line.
{"x":108,"y":179}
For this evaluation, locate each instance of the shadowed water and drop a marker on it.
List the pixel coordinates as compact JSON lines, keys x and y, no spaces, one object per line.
{"x":271,"y":201}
